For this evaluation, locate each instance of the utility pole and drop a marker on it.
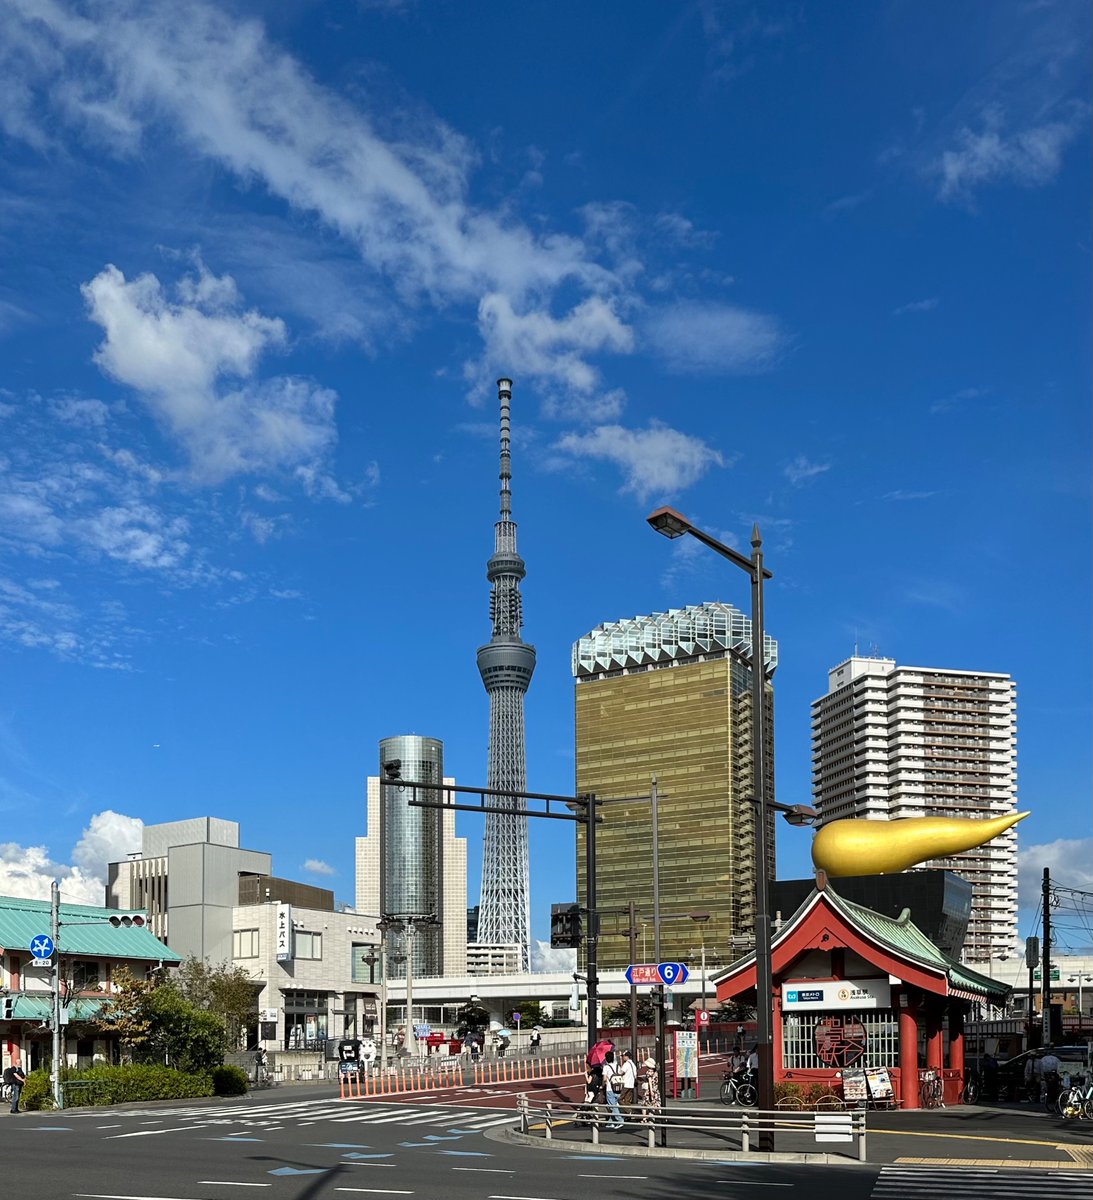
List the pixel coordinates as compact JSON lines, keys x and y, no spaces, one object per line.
{"x":1045,"y":967}
{"x":633,"y":932}
{"x":55,"y":1021}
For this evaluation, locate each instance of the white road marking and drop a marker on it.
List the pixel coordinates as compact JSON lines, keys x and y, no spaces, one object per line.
{"x":147,"y":1132}
{"x":118,"y":1126}
{"x":232,"y":1183}
{"x":377,"y":1191}
{"x":612,"y":1176}
{"x":487,"y":1170}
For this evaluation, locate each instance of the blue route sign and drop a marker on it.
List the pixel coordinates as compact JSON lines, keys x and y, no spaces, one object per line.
{"x":672,"y":973}
{"x":41,"y":946}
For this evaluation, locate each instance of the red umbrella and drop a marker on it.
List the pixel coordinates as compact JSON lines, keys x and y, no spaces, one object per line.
{"x":599,"y":1052}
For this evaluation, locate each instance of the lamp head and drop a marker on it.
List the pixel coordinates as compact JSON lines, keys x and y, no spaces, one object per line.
{"x":669,"y":522}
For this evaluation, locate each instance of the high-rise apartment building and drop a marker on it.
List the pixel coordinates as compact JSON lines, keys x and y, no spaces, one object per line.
{"x":410,"y":863}
{"x":668,"y":696}
{"x":891,"y":742}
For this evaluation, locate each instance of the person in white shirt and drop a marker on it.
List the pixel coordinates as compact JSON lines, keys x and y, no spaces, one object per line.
{"x":629,"y":1073}
{"x":1049,"y":1074}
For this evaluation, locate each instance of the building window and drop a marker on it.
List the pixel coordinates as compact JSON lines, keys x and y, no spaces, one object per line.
{"x":309,"y":945}
{"x":85,"y":975}
{"x":245,"y":943}
{"x":881,"y":1030}
{"x":306,"y":1015}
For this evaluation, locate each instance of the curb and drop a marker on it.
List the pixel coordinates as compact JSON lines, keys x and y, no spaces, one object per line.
{"x":821,"y":1158}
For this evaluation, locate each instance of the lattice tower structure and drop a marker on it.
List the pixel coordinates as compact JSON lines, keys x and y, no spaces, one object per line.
{"x":506,"y":663}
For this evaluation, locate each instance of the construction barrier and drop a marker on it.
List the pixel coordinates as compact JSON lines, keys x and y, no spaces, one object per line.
{"x":417,"y":1077}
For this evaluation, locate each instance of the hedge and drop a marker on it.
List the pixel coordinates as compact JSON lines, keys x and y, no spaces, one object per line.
{"x":117,"y":1085}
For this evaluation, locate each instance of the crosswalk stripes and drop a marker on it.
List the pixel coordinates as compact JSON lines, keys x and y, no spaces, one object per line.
{"x":982,"y":1183}
{"x":311,"y":1112}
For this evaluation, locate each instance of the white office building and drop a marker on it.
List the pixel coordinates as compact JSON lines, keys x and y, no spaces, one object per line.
{"x":891,"y":742}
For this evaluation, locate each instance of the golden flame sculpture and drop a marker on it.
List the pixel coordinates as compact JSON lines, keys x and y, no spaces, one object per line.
{"x":857,"y":846}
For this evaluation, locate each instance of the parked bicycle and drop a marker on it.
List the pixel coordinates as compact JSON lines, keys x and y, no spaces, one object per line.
{"x":1076,"y":1100}
{"x":932,"y":1091}
{"x":970,"y":1092}
{"x":738,"y":1087}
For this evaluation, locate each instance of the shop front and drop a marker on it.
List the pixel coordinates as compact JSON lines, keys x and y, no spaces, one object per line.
{"x":864,"y":1004}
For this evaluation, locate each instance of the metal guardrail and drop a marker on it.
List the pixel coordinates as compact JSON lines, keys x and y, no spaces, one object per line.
{"x":824,"y":1127}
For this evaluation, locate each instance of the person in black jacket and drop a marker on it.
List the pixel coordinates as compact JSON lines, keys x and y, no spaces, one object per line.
{"x":15,"y":1077}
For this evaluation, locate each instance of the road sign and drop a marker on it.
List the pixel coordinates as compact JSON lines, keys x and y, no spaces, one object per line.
{"x":672,"y":973}
{"x":703,"y":1016}
{"x":41,"y":962}
{"x":642,"y":973}
{"x":516,"y":1017}
{"x":41,"y":946}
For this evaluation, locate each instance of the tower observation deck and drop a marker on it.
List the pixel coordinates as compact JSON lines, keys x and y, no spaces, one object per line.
{"x":506,"y":663}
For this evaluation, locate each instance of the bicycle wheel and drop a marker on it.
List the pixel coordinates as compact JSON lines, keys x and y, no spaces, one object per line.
{"x":728,"y":1092}
{"x":970,"y":1093}
{"x":748,"y":1095}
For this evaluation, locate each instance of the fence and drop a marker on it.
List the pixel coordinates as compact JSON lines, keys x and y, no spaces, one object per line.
{"x":440,"y":1072}
{"x":826,"y":1127}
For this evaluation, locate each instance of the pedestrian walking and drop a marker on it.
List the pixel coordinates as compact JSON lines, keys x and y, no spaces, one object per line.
{"x":629,"y":1073}
{"x":535,"y":1041}
{"x":650,"y":1091}
{"x":15,"y":1077}
{"x":613,"y":1082}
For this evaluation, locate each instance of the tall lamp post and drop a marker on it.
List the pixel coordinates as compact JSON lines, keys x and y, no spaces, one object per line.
{"x":673,"y":524}
{"x":700,"y":919}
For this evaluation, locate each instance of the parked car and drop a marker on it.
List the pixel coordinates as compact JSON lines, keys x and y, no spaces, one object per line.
{"x":1011,"y":1073}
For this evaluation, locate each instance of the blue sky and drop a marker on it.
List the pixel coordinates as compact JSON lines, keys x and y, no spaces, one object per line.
{"x":824,"y":267}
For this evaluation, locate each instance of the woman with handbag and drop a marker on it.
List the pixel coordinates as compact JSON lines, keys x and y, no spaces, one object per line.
{"x":650,"y":1091}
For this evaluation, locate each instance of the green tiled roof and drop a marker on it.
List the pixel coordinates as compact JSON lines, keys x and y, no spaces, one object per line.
{"x":38,"y":1006}
{"x":903,"y":936}
{"x":85,"y":931}
{"x":900,"y":935}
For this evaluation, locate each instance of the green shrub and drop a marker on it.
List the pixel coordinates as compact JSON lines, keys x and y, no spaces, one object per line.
{"x":37,"y":1093}
{"x":229,"y":1081}
{"x":118,"y":1085}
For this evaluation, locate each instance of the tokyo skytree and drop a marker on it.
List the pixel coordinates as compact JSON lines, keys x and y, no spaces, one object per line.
{"x":506,"y":664}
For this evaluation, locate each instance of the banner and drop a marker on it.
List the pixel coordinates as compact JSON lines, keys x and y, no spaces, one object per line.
{"x":828,"y":994}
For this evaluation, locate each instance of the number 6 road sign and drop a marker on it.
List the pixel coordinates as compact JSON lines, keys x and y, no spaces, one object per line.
{"x":672,"y":973}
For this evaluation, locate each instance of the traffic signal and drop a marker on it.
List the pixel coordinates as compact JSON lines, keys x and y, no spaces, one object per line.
{"x":565,"y":926}
{"x":9,"y":1007}
{"x":126,"y":921}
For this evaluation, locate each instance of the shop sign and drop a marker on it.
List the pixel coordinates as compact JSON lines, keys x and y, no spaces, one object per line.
{"x":832,"y":994}
{"x":286,"y":949}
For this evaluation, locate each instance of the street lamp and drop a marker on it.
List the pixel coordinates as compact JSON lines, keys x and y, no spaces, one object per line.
{"x":1080,"y":979}
{"x":408,"y":923}
{"x":700,"y":918}
{"x":371,"y":958}
{"x":673,"y":524}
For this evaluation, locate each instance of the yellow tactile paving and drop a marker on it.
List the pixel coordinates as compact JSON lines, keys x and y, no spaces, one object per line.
{"x":1039,"y":1164}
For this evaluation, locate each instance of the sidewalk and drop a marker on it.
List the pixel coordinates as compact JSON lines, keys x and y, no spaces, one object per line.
{"x":1004,"y":1135}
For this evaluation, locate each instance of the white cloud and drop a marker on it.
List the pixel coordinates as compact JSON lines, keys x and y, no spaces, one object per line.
{"x":916,"y":306}
{"x":177,"y":355}
{"x":545,"y":959}
{"x":1028,"y":157}
{"x":318,"y":867}
{"x":801,"y":470}
{"x":1070,"y":861}
{"x":139,"y":535}
{"x":28,"y":871}
{"x":901,"y":494}
{"x":655,"y":461}
{"x":711,"y":338}
{"x":551,"y":348}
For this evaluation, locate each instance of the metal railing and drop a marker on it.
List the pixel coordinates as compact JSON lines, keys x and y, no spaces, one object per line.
{"x":826,"y":1128}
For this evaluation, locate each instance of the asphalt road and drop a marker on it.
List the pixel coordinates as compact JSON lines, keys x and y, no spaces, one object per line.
{"x":303,"y":1143}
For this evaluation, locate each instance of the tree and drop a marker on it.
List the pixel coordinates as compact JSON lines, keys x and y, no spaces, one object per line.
{"x":619,"y":1014}
{"x":228,"y":991}
{"x":531,"y":1013}
{"x":156,"y":1023}
{"x":471,"y":1016}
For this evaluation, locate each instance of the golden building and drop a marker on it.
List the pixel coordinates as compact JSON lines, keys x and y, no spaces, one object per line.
{"x":668,"y":697}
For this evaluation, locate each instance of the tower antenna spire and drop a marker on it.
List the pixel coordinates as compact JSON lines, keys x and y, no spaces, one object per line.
{"x":506,"y":663}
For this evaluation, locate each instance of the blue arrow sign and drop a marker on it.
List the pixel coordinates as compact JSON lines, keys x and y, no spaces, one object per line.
{"x":672,"y":973}
{"x":41,"y":946}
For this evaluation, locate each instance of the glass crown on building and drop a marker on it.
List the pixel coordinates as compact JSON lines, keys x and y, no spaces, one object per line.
{"x":679,"y":633}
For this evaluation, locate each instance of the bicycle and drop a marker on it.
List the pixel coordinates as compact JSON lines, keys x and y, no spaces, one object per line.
{"x":739,"y":1088}
{"x":1075,"y":1101}
{"x":969,"y":1093}
{"x":932,"y":1091}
